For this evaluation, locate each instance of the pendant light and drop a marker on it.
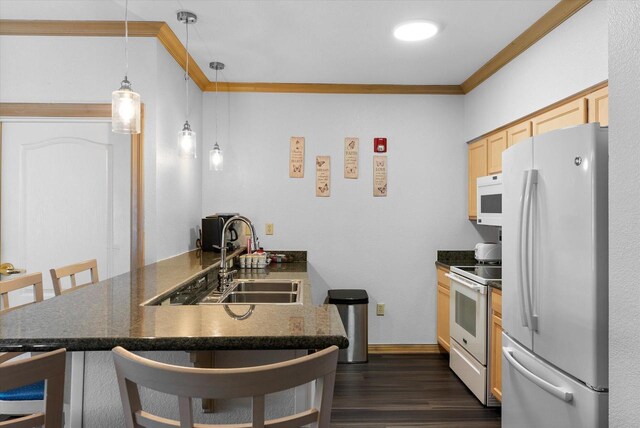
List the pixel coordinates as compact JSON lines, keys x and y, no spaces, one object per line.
{"x":125,"y":104}
{"x":187,"y":137}
{"x":215,"y":155}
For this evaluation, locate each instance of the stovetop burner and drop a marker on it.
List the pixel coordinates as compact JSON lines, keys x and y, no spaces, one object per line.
{"x":480,"y":273}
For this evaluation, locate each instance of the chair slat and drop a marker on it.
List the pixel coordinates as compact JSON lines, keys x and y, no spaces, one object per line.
{"x":71,"y":270}
{"x":255,"y":382}
{"x":31,"y":280}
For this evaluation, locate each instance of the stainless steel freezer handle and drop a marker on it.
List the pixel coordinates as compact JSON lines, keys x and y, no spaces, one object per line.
{"x":556,"y":391}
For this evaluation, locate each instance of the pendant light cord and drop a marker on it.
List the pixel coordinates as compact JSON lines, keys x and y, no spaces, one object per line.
{"x":186,"y":73}
{"x":126,"y":39}
{"x":216,"y":103}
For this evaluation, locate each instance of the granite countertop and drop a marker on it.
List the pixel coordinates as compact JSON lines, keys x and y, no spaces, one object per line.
{"x":101,"y":316}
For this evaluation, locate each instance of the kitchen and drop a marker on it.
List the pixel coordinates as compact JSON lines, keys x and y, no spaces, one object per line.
{"x":354,"y":236}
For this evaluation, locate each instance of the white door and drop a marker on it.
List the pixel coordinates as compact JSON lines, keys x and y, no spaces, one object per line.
{"x":515,"y":162}
{"x":570,"y":274}
{"x":65,"y":197}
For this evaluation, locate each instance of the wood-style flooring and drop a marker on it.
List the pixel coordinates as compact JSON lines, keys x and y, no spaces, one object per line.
{"x":406,"y":391}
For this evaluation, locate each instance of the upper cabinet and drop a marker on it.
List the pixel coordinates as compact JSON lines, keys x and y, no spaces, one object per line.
{"x":518,"y":132}
{"x":599,"y":106}
{"x":569,"y":114}
{"x":477,"y":168}
{"x":496,"y":144}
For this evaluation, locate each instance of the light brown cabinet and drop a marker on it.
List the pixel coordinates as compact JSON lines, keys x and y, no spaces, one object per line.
{"x":496,"y":144}
{"x":569,"y":114}
{"x":442,"y":328}
{"x":495,"y":344}
{"x":599,"y":106}
{"x":477,"y":168}
{"x":518,"y":132}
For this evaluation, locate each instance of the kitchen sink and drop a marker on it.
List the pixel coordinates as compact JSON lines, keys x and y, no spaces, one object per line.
{"x":257,"y":292}
{"x":267,"y":286}
{"x":254,"y":298}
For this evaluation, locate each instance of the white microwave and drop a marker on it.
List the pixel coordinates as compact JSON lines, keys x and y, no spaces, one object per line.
{"x":489,"y":200}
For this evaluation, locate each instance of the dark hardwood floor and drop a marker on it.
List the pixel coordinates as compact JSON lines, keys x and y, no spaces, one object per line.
{"x":406,"y":391}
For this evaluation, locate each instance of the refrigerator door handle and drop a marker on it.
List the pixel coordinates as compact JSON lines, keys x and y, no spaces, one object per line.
{"x":532,"y":179}
{"x":524,"y":315}
{"x":533,"y":186}
{"x":556,"y":391}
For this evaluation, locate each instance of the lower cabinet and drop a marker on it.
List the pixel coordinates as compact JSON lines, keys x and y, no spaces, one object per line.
{"x":495,"y":344}
{"x":442,"y":329}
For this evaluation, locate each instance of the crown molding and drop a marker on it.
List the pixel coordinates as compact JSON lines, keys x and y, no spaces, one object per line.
{"x":543,"y":26}
{"x":161,"y":30}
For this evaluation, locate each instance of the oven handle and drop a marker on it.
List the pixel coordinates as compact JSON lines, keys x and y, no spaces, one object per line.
{"x":481,"y":289}
{"x":556,"y":391}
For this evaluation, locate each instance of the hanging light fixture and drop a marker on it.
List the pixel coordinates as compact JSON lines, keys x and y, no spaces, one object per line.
{"x":215,"y":155}
{"x":125,"y":104}
{"x":187,"y":137}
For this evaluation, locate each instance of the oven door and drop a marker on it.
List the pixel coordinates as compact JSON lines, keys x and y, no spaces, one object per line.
{"x":489,"y":200}
{"x":469,"y":316}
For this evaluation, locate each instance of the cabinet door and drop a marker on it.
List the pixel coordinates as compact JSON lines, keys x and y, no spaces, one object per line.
{"x":518,"y":132}
{"x":443,"y":317}
{"x":570,"y":114}
{"x":496,"y":144}
{"x":495,"y":344}
{"x":599,"y":106}
{"x":477,"y":168}
{"x":442,"y":328}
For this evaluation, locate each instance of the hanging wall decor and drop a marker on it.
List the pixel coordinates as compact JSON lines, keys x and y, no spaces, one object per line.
{"x":351,"y":155}
{"x":296,"y":157}
{"x":323,"y":176}
{"x":379,"y":176}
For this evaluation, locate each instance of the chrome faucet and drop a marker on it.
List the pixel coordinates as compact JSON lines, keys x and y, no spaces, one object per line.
{"x":225,"y":276}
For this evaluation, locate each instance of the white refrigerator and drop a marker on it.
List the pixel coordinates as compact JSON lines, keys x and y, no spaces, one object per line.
{"x":555,"y":280}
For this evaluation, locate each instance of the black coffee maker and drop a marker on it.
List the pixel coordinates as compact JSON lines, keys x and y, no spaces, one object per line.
{"x":212,"y":232}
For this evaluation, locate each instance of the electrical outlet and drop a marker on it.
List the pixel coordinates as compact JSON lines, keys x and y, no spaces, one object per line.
{"x":268,"y":229}
{"x":380,"y":309}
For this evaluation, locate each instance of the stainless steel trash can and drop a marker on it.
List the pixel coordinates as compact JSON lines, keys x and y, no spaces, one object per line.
{"x":352,"y":306}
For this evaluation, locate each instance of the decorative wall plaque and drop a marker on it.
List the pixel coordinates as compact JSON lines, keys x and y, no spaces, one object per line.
{"x":351,"y":154}
{"x":323,"y":176}
{"x":379,"y":176}
{"x":296,"y":157}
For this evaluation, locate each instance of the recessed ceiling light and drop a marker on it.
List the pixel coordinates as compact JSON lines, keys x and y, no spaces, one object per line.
{"x":414,"y":31}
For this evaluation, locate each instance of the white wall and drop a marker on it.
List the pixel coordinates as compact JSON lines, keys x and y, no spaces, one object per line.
{"x":87,"y":70}
{"x":569,"y":59}
{"x":384,"y":245}
{"x":624,"y":212}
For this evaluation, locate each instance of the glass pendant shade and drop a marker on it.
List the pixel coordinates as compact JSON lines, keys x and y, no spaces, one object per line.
{"x":187,"y":141}
{"x":215,"y":158}
{"x":125,"y":110}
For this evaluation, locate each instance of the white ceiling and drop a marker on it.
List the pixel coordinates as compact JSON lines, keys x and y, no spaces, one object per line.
{"x":320,"y":41}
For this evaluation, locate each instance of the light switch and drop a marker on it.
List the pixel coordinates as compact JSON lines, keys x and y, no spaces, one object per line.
{"x":268,"y":229}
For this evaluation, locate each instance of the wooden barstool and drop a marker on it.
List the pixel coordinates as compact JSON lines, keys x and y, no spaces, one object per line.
{"x":71,"y":270}
{"x":21,"y":374}
{"x":187,"y":383}
{"x":28,"y":398}
{"x":31,"y":280}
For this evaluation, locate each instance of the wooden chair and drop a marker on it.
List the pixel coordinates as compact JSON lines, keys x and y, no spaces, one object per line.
{"x":48,"y":368}
{"x":31,"y":280}
{"x":29,"y":399}
{"x":71,"y":270}
{"x":187,"y":383}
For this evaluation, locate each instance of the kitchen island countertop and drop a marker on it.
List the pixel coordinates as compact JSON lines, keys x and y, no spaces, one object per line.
{"x":100,"y":316}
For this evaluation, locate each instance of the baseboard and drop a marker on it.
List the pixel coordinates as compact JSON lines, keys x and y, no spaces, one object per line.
{"x":404,"y":349}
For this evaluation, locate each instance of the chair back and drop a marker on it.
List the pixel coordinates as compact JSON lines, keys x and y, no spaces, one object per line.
{"x":255,"y":382}
{"x":49,"y":367}
{"x":71,"y":270}
{"x":31,"y":280}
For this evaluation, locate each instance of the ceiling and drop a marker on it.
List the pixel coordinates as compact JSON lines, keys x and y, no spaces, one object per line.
{"x":320,"y":41}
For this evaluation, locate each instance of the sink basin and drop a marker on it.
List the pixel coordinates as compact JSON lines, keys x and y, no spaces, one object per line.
{"x":267,"y":286}
{"x":258,"y":292}
{"x":256,"y":298}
